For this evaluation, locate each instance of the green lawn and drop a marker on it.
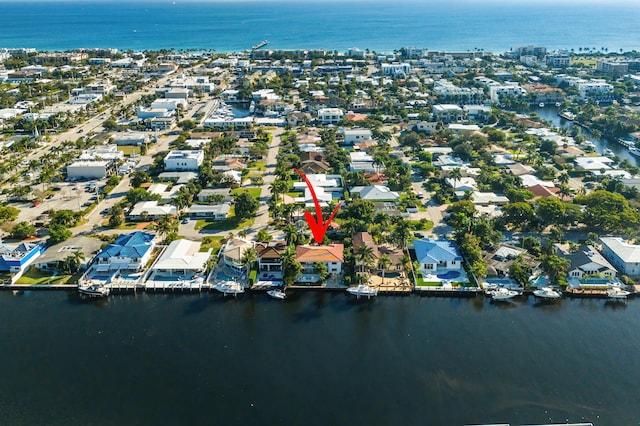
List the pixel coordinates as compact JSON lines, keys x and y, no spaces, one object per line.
{"x":418,"y":225}
{"x":35,"y":276}
{"x":422,"y":283}
{"x":258,"y":165}
{"x":255,"y":192}
{"x":129,"y":150}
{"x":229,"y":224}
{"x":211,"y":242}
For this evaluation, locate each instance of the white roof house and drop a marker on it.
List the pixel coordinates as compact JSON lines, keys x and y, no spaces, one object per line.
{"x":151,"y":210}
{"x":375,"y":193}
{"x":164,"y":191}
{"x":593,"y":163}
{"x":623,"y":255}
{"x":327,"y":182}
{"x":330,"y":115}
{"x":352,"y":136}
{"x":182,"y":257}
{"x":463,"y":184}
{"x":531,"y":180}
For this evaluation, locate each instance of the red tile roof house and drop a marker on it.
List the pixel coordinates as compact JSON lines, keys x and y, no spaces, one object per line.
{"x":332,"y":255}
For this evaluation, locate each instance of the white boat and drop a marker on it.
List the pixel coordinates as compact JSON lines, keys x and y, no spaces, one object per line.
{"x":557,"y":104}
{"x":503,"y":293}
{"x":607,"y":152}
{"x":276,"y":293}
{"x":94,"y":290}
{"x":363,"y":290}
{"x":547,"y":293}
{"x":541,"y":104}
{"x":634,"y":151}
{"x":617,"y":293}
{"x":229,"y":287}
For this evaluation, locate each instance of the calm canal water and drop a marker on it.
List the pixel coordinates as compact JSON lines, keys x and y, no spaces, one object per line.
{"x":550,"y":113}
{"x":316,"y":359}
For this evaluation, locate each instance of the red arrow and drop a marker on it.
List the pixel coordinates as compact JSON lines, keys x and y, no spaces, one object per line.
{"x":317,"y":224}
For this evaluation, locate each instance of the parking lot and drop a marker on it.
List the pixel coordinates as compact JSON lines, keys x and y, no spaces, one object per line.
{"x":73,"y":196}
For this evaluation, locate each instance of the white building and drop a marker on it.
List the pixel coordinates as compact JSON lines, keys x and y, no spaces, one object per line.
{"x":102,"y":152}
{"x":168,"y":104}
{"x":89,"y":169}
{"x":595,"y":89}
{"x":497,"y":91}
{"x":144,"y":113}
{"x":448,"y":113}
{"x":183,"y":160}
{"x":130,"y":138}
{"x":623,"y":255}
{"x":330,"y":115}
{"x":396,"y":70}
{"x":182,"y":258}
{"x":451,"y":92}
{"x":151,"y":210}
{"x":353,"y":136}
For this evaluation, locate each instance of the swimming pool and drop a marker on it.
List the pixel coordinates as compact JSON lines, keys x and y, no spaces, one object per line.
{"x":449,"y":275}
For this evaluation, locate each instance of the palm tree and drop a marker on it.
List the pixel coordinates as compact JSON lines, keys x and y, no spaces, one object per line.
{"x":383,"y":263}
{"x":564,"y":178}
{"x":248,"y":258}
{"x":364,"y":255}
{"x":565,"y":191}
{"x":401,"y":234}
{"x":455,"y":175}
{"x":291,"y":235}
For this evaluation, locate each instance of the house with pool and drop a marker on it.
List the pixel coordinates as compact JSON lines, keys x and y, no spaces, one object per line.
{"x":439,"y":263}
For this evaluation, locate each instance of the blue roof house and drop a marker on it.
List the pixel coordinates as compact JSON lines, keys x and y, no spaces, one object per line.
{"x":128,"y":252}
{"x":16,"y":258}
{"x":437,"y":256}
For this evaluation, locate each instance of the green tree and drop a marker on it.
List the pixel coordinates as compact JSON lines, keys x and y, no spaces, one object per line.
{"x":23,"y":230}
{"x":364,"y":255}
{"x":139,"y":177}
{"x":58,"y":233}
{"x":116,"y":216}
{"x":8,"y":213}
{"x":264,"y":236}
{"x":520,"y":271}
{"x":249,"y":257}
{"x":383,"y":263}
{"x":137,"y":195}
{"x":320,"y":269}
{"x":291,"y":267}
{"x":246,"y":206}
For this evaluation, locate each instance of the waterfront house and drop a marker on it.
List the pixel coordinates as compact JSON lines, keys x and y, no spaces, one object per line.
{"x":394,"y":254}
{"x":128,"y":252}
{"x":331,"y":255}
{"x":233,"y":252}
{"x":622,"y":254}
{"x":54,"y":255}
{"x":588,"y":268}
{"x":270,"y":260}
{"x":499,"y":261}
{"x":182,"y":258}
{"x":353,"y":136}
{"x":436,"y":256}
{"x":14,"y":259}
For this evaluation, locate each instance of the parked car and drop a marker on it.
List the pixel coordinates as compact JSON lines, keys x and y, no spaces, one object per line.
{"x":185,"y":220}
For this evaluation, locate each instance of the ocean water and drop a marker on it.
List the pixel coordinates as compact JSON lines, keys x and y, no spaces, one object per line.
{"x":316,"y":359}
{"x":378,"y":25}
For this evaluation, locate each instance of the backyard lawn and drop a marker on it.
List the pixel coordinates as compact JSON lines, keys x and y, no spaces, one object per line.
{"x":229,"y":224}
{"x":35,"y":276}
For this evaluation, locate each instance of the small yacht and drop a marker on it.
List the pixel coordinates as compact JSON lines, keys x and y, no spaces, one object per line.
{"x":607,"y":152}
{"x":557,"y":104}
{"x":541,"y":104}
{"x":277,"y":293}
{"x":617,"y":293}
{"x":634,"y":151}
{"x":94,"y":290}
{"x":229,"y":287}
{"x":503,"y":293}
{"x":547,"y":293}
{"x":363,"y":290}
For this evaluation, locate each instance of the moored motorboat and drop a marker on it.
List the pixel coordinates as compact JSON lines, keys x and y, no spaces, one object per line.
{"x":229,"y":287}
{"x":634,"y":151}
{"x":547,"y":293}
{"x":277,"y":293}
{"x":503,"y":293}
{"x":608,"y":152}
{"x":94,"y":290}
{"x":362,"y":290}
{"x":617,"y":293}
